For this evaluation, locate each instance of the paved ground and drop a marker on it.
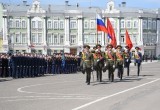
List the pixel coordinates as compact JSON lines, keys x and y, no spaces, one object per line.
{"x":70,"y":92}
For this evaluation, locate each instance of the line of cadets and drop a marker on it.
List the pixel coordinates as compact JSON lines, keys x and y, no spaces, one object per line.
{"x":110,"y":60}
{"x":33,"y":65}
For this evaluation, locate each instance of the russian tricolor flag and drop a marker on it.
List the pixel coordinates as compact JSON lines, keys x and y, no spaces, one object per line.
{"x":100,"y":24}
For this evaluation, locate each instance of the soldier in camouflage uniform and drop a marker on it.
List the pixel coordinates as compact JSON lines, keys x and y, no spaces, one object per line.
{"x":98,"y":62}
{"x":119,"y":55}
{"x":127,"y":59}
{"x":109,"y":62}
{"x":87,"y":62}
{"x":138,"y":59}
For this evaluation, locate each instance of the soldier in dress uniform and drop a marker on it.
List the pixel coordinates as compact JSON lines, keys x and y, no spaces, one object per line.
{"x":87,"y":60}
{"x":119,"y":60}
{"x":110,"y":62}
{"x":127,"y":59}
{"x":98,"y":62}
{"x":138,"y":59}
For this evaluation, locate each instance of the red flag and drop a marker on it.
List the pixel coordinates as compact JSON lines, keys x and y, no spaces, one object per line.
{"x":111,"y":33}
{"x":128,"y":40}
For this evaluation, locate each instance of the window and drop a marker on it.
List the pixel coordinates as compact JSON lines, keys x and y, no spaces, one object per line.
{"x":49,"y":24}
{"x":33,"y":38}
{"x":149,"y":25}
{"x":73,"y":39}
{"x":61,"y":25}
{"x":134,"y":38}
{"x":61,"y":39}
{"x":128,"y":24}
{"x":24,"y":38}
{"x":17,"y":40}
{"x":85,"y":24}
{"x":49,"y":38}
{"x":11,"y":23}
{"x":33,"y":24}
{"x":12,"y":38}
{"x":99,"y":38}
{"x":92,"y":24}
{"x":122,"y":39}
{"x":17,"y":24}
{"x":23,"y":24}
{"x":92,"y":38}
{"x":39,"y":38}
{"x":122,"y":24}
{"x":86,"y":40}
{"x":135,"y":24}
{"x":39,"y":24}
{"x":154,"y":25}
{"x":55,"y":39}
{"x":55,"y":24}
{"x":73,"y":24}
{"x":144,"y":24}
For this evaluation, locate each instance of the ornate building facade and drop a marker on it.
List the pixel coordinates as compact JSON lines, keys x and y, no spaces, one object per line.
{"x":50,"y":28}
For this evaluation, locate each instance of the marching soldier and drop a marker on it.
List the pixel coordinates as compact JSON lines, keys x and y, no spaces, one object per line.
{"x":138,"y":59}
{"x":109,"y":62}
{"x":119,"y":60}
{"x":87,"y":59}
{"x":98,"y":62}
{"x":127,"y":59}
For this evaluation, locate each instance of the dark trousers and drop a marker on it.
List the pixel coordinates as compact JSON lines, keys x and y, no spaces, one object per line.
{"x":127,"y":64}
{"x":120,"y":70}
{"x":110,"y":71}
{"x":99,"y":74}
{"x":88,"y":75}
{"x":138,"y":68}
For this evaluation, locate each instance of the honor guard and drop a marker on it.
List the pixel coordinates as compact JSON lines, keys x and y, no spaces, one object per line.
{"x":127,"y":59}
{"x":138,"y":59}
{"x":98,"y":62}
{"x":119,"y":60}
{"x":109,"y":62}
{"x":87,"y":60}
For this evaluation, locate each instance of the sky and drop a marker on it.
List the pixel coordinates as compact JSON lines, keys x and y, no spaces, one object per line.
{"x":100,"y":3}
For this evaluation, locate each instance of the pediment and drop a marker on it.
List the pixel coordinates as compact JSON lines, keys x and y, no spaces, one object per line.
{"x":36,"y":8}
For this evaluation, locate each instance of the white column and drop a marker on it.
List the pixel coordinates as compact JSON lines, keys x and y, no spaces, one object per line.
{"x":44,"y":35}
{"x":158,"y":38}
{"x":102,"y":39}
{"x":29,"y":33}
{"x":140,"y":31}
{"x":67,"y":35}
{"x":5,"y":34}
{"x":80,"y":31}
{"x":118,"y":30}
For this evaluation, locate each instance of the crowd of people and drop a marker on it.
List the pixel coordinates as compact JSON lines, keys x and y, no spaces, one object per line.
{"x":34,"y":65}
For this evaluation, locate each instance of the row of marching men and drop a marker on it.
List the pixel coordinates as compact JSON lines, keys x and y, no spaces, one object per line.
{"x":33,"y":65}
{"x":110,"y":59}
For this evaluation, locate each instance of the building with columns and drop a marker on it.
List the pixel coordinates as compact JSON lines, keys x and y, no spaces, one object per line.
{"x":51,"y":28}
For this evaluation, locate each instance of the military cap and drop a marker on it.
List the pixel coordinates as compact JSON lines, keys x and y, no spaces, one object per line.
{"x":98,"y":45}
{"x":137,"y":48}
{"x":127,"y":47}
{"x":86,"y":46}
{"x":93,"y":51}
{"x":118,"y":46}
{"x":94,"y":47}
{"x":109,"y":45}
